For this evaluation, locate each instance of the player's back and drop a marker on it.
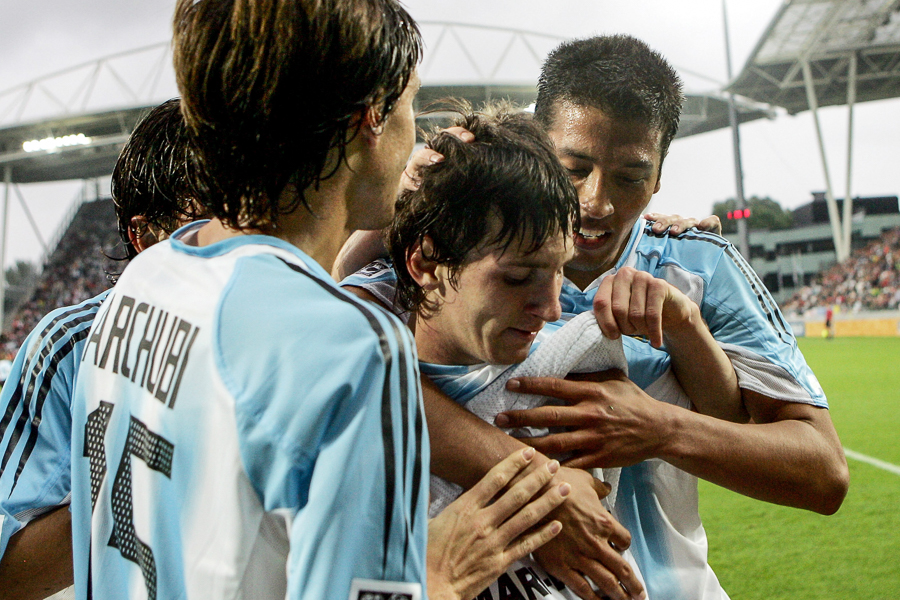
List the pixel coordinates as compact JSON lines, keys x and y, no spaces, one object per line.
{"x":224,"y":391}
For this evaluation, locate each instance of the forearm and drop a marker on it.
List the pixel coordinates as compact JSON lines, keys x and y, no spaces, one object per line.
{"x":795,"y":460}
{"x":463,"y":447}
{"x":38,"y":559}
{"x":704,"y":370}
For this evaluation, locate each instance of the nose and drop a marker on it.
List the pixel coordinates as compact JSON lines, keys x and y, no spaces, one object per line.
{"x":545,"y":304}
{"x":594,"y":198}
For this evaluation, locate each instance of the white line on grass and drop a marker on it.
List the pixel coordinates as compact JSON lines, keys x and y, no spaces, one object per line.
{"x":872,"y":461}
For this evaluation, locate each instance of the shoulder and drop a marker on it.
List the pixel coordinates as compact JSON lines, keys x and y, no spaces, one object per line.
{"x":59,"y":332}
{"x":275,"y":313}
{"x":695,"y":251}
{"x":381,"y":269}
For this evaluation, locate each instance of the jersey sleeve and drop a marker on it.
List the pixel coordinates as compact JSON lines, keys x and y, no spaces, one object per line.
{"x":379,"y":279}
{"x":36,"y":418}
{"x":330,"y":425}
{"x":748,"y":325}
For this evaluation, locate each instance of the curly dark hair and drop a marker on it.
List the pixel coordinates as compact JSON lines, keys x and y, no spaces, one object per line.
{"x":618,"y":74}
{"x":509,"y":173}
{"x":151,"y":175}
{"x":271,"y":87}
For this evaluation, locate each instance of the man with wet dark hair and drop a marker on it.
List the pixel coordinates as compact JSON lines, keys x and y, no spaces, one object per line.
{"x":150,"y":184}
{"x":506,"y":188}
{"x":152,"y":201}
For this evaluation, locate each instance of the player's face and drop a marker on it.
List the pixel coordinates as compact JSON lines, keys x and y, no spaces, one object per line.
{"x":614,"y":165}
{"x":394,"y":145}
{"x":500,"y":302}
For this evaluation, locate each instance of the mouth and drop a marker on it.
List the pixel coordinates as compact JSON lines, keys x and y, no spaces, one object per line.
{"x":525,"y":334}
{"x":590,"y":240}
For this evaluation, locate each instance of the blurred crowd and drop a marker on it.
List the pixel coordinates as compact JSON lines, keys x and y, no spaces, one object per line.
{"x":868,"y":280}
{"x":78,"y":269}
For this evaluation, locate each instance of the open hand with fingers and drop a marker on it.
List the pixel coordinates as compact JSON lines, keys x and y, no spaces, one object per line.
{"x":486,"y":529}
{"x":586,"y":550}
{"x":609,"y":420}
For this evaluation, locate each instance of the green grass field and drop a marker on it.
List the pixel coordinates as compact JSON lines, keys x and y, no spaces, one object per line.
{"x":762,"y":551}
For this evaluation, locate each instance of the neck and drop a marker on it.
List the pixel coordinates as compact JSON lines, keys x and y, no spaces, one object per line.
{"x":582,"y":279}
{"x":436,"y":347}
{"x":319,"y":231}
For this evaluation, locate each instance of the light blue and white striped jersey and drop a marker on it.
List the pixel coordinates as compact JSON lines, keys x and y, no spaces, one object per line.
{"x":36,"y":417}
{"x":245,"y":429}
{"x":656,"y":502}
{"x":741,"y":314}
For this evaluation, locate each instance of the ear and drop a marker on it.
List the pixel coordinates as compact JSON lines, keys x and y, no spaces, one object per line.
{"x":371,"y":125}
{"x":423,"y":270}
{"x":139,"y":234}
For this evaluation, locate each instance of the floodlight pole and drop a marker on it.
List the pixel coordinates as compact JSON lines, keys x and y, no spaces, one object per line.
{"x":833,"y":215}
{"x":743,"y":238}
{"x":848,"y":199}
{"x":7,"y":178}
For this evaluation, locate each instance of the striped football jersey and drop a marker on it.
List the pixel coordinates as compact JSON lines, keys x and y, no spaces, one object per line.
{"x":245,"y":429}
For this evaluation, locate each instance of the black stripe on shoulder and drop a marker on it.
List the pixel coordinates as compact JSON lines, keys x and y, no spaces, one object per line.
{"x":48,"y":340}
{"x":403,"y":359}
{"x":43,"y":392}
{"x":710,"y":238}
{"x":22,"y":394}
{"x":766,"y":302}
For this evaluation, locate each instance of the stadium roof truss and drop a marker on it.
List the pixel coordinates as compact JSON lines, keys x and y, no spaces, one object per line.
{"x":825,"y":53}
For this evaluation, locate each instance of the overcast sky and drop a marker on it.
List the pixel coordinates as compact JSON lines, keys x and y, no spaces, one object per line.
{"x":780,"y":157}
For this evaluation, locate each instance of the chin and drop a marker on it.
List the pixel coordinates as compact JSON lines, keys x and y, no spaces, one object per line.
{"x":510,"y":357}
{"x":585,"y":262}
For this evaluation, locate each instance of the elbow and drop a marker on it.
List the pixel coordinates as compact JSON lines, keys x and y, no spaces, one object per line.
{"x":834,"y":486}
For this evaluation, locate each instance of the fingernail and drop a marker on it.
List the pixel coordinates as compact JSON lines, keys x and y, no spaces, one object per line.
{"x":675,"y":228}
{"x":565,"y":489}
{"x":436,"y":158}
{"x":513,"y":384}
{"x":553,"y":466}
{"x":642,"y":596}
{"x":528,"y":453}
{"x":467,"y":137}
{"x":501,"y":420}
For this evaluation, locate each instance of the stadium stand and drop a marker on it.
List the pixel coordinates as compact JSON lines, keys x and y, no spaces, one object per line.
{"x":77,"y":269}
{"x":867,"y":281}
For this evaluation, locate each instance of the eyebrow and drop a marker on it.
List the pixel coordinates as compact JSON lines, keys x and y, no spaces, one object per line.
{"x":638,"y":164}
{"x":529,"y":262}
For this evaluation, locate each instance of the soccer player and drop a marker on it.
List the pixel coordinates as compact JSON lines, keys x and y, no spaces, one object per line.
{"x":612,"y":131}
{"x":246,"y":428}
{"x":152,"y":198}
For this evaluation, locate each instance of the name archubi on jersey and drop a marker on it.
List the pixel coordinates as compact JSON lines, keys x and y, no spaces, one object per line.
{"x":146,"y":345}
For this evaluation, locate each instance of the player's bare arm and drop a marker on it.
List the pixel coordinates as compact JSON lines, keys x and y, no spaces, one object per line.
{"x":790,"y":454}
{"x":38,"y":559}
{"x":582,"y":548}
